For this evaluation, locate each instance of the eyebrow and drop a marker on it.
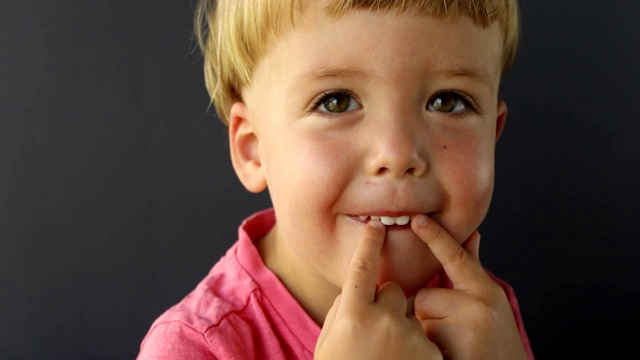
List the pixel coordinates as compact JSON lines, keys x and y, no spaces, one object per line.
{"x":324,"y":73}
{"x":479,"y":76}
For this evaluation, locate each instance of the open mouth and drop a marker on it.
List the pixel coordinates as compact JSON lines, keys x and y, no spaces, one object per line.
{"x":386,"y":220}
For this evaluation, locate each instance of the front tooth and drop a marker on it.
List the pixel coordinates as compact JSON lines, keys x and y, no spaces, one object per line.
{"x":375,"y":218}
{"x":387,"y":220}
{"x":362,"y":217}
{"x":402,"y":220}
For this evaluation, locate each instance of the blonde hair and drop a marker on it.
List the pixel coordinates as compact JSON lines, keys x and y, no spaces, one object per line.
{"x":233,"y":35}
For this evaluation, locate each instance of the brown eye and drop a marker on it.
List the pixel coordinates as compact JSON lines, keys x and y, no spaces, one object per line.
{"x":337,"y":102}
{"x":447,"y":102}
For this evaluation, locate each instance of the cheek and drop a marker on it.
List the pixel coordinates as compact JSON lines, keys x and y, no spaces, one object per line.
{"x":468,"y":177}
{"x":476,"y":180}
{"x":305,"y":182}
{"x":305,"y":173}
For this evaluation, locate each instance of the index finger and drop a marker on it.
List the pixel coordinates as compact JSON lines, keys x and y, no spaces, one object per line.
{"x":360,"y":283}
{"x":461,"y":267}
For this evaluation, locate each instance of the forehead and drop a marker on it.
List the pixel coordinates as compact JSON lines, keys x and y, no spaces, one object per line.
{"x":384,"y":43}
{"x":484,"y":11}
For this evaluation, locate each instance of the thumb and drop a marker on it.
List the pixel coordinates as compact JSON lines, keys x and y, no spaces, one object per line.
{"x":472,"y":245}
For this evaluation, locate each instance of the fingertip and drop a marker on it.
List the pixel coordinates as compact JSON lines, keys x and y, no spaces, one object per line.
{"x":420,"y":220}
{"x":377,"y":224}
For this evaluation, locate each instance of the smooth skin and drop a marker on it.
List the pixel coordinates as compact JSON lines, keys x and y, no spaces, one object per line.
{"x":387,"y":152}
{"x":370,"y":323}
{"x":388,"y":147}
{"x":471,"y":321}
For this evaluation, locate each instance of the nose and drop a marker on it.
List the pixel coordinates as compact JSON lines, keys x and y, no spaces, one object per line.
{"x":397,"y":150}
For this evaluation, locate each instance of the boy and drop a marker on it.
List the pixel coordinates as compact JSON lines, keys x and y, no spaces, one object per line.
{"x":373,"y":126}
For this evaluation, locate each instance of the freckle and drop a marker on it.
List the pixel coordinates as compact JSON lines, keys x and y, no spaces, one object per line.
{"x":444,"y":146}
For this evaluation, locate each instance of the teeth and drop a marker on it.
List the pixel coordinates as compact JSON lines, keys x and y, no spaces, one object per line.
{"x":389,"y":220}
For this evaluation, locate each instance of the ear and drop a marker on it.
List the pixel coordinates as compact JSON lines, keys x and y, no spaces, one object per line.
{"x":501,"y":118}
{"x":244,"y":146}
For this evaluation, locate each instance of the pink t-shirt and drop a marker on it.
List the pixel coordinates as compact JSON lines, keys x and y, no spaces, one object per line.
{"x":241,"y":310}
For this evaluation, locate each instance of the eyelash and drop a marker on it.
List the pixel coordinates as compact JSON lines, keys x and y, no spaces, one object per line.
{"x":320,"y":99}
{"x":467,"y":101}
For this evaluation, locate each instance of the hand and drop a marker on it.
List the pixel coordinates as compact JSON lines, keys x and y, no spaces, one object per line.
{"x":474,"y":320}
{"x":367,"y":324}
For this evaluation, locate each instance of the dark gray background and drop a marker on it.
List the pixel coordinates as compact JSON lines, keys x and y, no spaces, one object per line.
{"x":117,"y":196}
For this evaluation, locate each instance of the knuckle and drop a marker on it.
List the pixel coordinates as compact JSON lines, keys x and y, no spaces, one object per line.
{"x":460,"y":256}
{"x":472,"y":340}
{"x":495,"y":294}
{"x":362,"y":265}
{"x":479,"y":314}
{"x":439,"y":232}
{"x":495,"y":291}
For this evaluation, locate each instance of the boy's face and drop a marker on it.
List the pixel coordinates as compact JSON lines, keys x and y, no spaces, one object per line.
{"x":370,"y":114}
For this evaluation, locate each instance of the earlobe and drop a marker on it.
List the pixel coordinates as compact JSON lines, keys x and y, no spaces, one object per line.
{"x":244,"y":148}
{"x":501,"y":119}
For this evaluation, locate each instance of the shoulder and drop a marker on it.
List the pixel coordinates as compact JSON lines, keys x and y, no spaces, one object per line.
{"x":214,"y":306}
{"x":210,"y":319}
{"x":240,"y":310}
{"x":174,"y":338}
{"x":225,"y":291}
{"x":209,"y":329}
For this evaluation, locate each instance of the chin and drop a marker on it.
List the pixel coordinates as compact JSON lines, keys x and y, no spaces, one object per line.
{"x":410,"y":275}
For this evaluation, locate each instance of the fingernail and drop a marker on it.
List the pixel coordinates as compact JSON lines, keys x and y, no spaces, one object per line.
{"x":421,"y":220}
{"x":376,"y":224}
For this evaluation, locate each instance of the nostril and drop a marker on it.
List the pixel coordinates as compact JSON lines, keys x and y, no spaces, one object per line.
{"x":413,"y":171}
{"x":397,"y":166}
{"x":383,"y":170}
